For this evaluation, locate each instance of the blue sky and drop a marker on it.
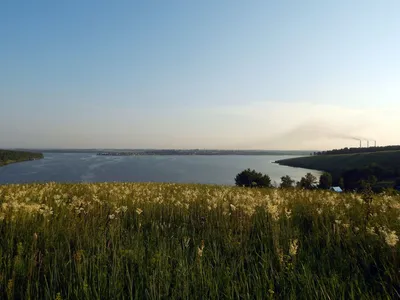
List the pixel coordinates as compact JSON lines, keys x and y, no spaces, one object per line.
{"x":199,"y":74}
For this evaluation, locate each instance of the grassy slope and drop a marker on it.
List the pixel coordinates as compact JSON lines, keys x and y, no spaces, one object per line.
{"x":170,"y":241}
{"x":336,"y":164}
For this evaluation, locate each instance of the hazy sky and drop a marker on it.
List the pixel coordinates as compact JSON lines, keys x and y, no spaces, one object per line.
{"x":199,"y":74}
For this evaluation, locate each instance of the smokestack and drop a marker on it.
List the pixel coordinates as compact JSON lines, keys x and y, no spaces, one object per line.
{"x":375,"y":144}
{"x":360,"y":143}
{"x":367,"y":143}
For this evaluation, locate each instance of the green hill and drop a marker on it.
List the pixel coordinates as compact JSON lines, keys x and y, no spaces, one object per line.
{"x":11,"y":156}
{"x":337,"y":164}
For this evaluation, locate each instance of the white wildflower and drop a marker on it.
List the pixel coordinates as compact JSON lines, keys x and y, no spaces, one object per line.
{"x":294,"y":245}
{"x":390,"y":236}
{"x":139,"y":211}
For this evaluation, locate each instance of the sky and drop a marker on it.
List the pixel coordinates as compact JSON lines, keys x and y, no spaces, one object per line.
{"x":199,"y":74}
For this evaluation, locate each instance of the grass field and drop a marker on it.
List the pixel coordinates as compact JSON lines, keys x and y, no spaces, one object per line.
{"x":336,"y":164}
{"x":170,"y":241}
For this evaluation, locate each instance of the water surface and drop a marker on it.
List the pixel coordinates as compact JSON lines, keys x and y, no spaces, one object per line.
{"x":88,"y":167}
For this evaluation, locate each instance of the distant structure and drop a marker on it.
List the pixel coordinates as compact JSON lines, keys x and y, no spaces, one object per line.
{"x":336,"y":189}
{"x":368,"y":143}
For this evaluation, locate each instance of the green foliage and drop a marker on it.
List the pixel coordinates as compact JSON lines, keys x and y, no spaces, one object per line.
{"x":286,"y":182}
{"x":8,"y":156}
{"x":251,"y":178}
{"x":308,"y":182}
{"x":325,"y":181}
{"x":353,"y":168}
{"x":384,"y":163}
{"x":341,"y":183}
{"x":170,"y":241}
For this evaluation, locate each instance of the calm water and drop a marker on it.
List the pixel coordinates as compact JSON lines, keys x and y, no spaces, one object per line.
{"x":87,"y":167}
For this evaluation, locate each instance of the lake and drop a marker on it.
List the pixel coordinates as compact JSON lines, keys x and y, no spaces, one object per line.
{"x":88,"y":167}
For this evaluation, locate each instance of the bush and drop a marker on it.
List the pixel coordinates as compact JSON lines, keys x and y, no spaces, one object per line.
{"x":325,"y":181}
{"x":308,"y":182}
{"x":286,"y":182}
{"x":251,"y":178}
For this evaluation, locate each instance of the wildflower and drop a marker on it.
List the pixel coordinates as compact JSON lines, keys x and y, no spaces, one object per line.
{"x":139,"y":211}
{"x":338,"y":222}
{"x":294,"y":245}
{"x":390,"y":236}
{"x":271,"y":291}
{"x":371,"y":230}
{"x":319,"y":211}
{"x":280,"y":255}
{"x":78,"y":255}
{"x":111,"y":217}
{"x":273,"y":210}
{"x":233,"y":207}
{"x":288,"y":213}
{"x":124,"y":209}
{"x":200,"y":249}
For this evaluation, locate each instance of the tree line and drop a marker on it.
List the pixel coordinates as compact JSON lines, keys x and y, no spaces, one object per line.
{"x":10,"y":156}
{"x":252,"y":178}
{"x":358,"y":150}
{"x":353,"y":180}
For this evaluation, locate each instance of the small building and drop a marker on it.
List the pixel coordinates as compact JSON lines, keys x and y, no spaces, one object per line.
{"x":336,"y":189}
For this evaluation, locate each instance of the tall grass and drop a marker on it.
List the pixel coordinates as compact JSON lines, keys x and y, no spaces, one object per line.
{"x":169,"y":241}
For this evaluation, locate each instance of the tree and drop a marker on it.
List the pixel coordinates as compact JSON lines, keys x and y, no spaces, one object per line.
{"x":308,"y":182}
{"x":325,"y":181}
{"x":251,"y":178}
{"x":341,"y":183}
{"x":286,"y":182}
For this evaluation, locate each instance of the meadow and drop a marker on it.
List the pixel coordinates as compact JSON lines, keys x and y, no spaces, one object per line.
{"x":171,"y":241}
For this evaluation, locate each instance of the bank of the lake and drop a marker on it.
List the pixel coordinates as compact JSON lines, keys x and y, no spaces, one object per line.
{"x":10,"y":156}
{"x":387,"y":161}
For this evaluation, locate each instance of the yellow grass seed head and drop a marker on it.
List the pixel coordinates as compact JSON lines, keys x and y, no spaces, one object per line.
{"x":294,"y":246}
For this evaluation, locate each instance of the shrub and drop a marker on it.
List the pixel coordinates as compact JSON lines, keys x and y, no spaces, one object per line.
{"x":251,"y":178}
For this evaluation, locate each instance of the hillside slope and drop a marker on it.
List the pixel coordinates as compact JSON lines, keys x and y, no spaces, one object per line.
{"x":336,"y":164}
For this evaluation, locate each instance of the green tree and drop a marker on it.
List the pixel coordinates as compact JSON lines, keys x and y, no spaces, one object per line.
{"x":325,"y":181}
{"x":251,"y":178}
{"x":341,"y":183}
{"x":308,"y":182}
{"x":286,"y":182}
